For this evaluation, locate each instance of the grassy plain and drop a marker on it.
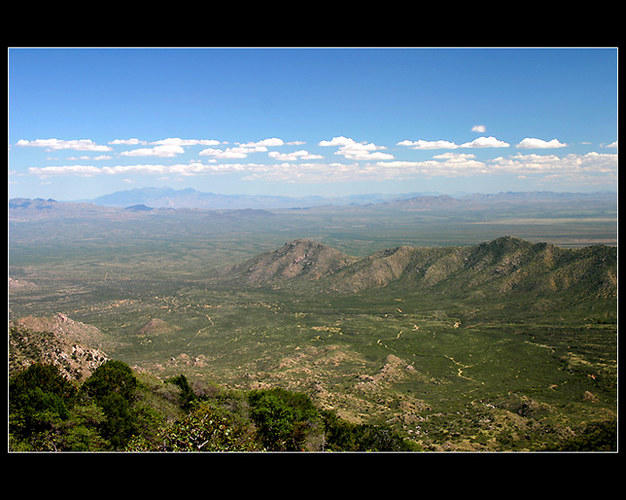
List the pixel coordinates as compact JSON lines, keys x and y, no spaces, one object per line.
{"x":451,"y":371}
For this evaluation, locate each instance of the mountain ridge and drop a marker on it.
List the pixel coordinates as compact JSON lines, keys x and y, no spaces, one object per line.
{"x":505,"y":265}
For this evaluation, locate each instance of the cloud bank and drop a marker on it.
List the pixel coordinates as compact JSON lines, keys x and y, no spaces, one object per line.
{"x":359,"y":160}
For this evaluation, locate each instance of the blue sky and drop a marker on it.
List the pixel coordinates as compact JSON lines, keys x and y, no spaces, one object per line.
{"x":326,"y":121}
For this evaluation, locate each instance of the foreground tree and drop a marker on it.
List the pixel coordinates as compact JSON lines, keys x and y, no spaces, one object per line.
{"x":113,"y":388}
{"x":39,"y":403}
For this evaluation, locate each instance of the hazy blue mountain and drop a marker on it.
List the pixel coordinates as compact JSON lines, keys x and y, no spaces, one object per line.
{"x":191,"y":198}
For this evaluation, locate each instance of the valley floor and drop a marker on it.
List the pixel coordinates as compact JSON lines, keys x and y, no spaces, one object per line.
{"x":477,"y":371}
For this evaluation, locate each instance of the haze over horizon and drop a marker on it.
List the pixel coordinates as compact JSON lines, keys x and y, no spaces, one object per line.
{"x":296,"y":122}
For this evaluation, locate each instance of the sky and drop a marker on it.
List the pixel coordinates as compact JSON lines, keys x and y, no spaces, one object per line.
{"x":84,"y":122}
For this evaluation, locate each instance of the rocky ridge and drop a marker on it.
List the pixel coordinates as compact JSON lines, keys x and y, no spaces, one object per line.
{"x":56,"y":340}
{"x":505,"y":265}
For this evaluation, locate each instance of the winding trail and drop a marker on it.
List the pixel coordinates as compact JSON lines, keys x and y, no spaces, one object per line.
{"x":202,"y":329}
{"x":460,"y":369}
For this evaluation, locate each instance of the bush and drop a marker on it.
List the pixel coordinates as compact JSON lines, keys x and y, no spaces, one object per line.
{"x":203,"y":429}
{"x":111,"y":377}
{"x":286,"y":421}
{"x":346,"y":436}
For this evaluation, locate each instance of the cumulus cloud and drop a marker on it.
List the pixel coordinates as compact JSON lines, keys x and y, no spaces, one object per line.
{"x":130,"y":142}
{"x":57,"y":144}
{"x":532,"y":143}
{"x":479,"y":128}
{"x":455,"y":156}
{"x":421,"y":144}
{"x":93,"y":158}
{"x":164,"y":151}
{"x":337,"y":141}
{"x":485,"y":142}
{"x":353,"y":150}
{"x":296,"y":155}
{"x":176,"y":141}
{"x":362,"y":152}
{"x":232,"y":153}
{"x":273,"y":141}
{"x":242,"y":150}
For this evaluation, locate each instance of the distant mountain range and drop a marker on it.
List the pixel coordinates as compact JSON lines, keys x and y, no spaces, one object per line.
{"x":146,"y":199}
{"x":191,"y":198}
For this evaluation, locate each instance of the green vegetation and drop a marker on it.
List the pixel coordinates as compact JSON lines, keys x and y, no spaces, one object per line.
{"x":113,"y":410}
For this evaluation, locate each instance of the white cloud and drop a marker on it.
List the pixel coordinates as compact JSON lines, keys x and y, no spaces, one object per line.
{"x":232,"y":153}
{"x":421,"y":144}
{"x":301,"y":154}
{"x":130,"y":142}
{"x":532,"y":143}
{"x":479,"y":128}
{"x":176,"y":141}
{"x":612,"y":145}
{"x":242,"y":150}
{"x":273,"y":141}
{"x":136,"y":169}
{"x":362,"y":152}
{"x":99,"y":158}
{"x":56,"y":144}
{"x":164,"y":151}
{"x":590,"y":163}
{"x":485,"y":142}
{"x":455,"y":156}
{"x":352,"y":150}
{"x":338,"y":141}
{"x":592,"y":167}
{"x":453,"y":165}
{"x":80,"y":170}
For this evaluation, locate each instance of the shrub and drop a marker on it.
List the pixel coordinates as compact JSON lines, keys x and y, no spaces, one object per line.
{"x":111,"y":377}
{"x":286,"y":421}
{"x":203,"y":429}
{"x":346,"y":436}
